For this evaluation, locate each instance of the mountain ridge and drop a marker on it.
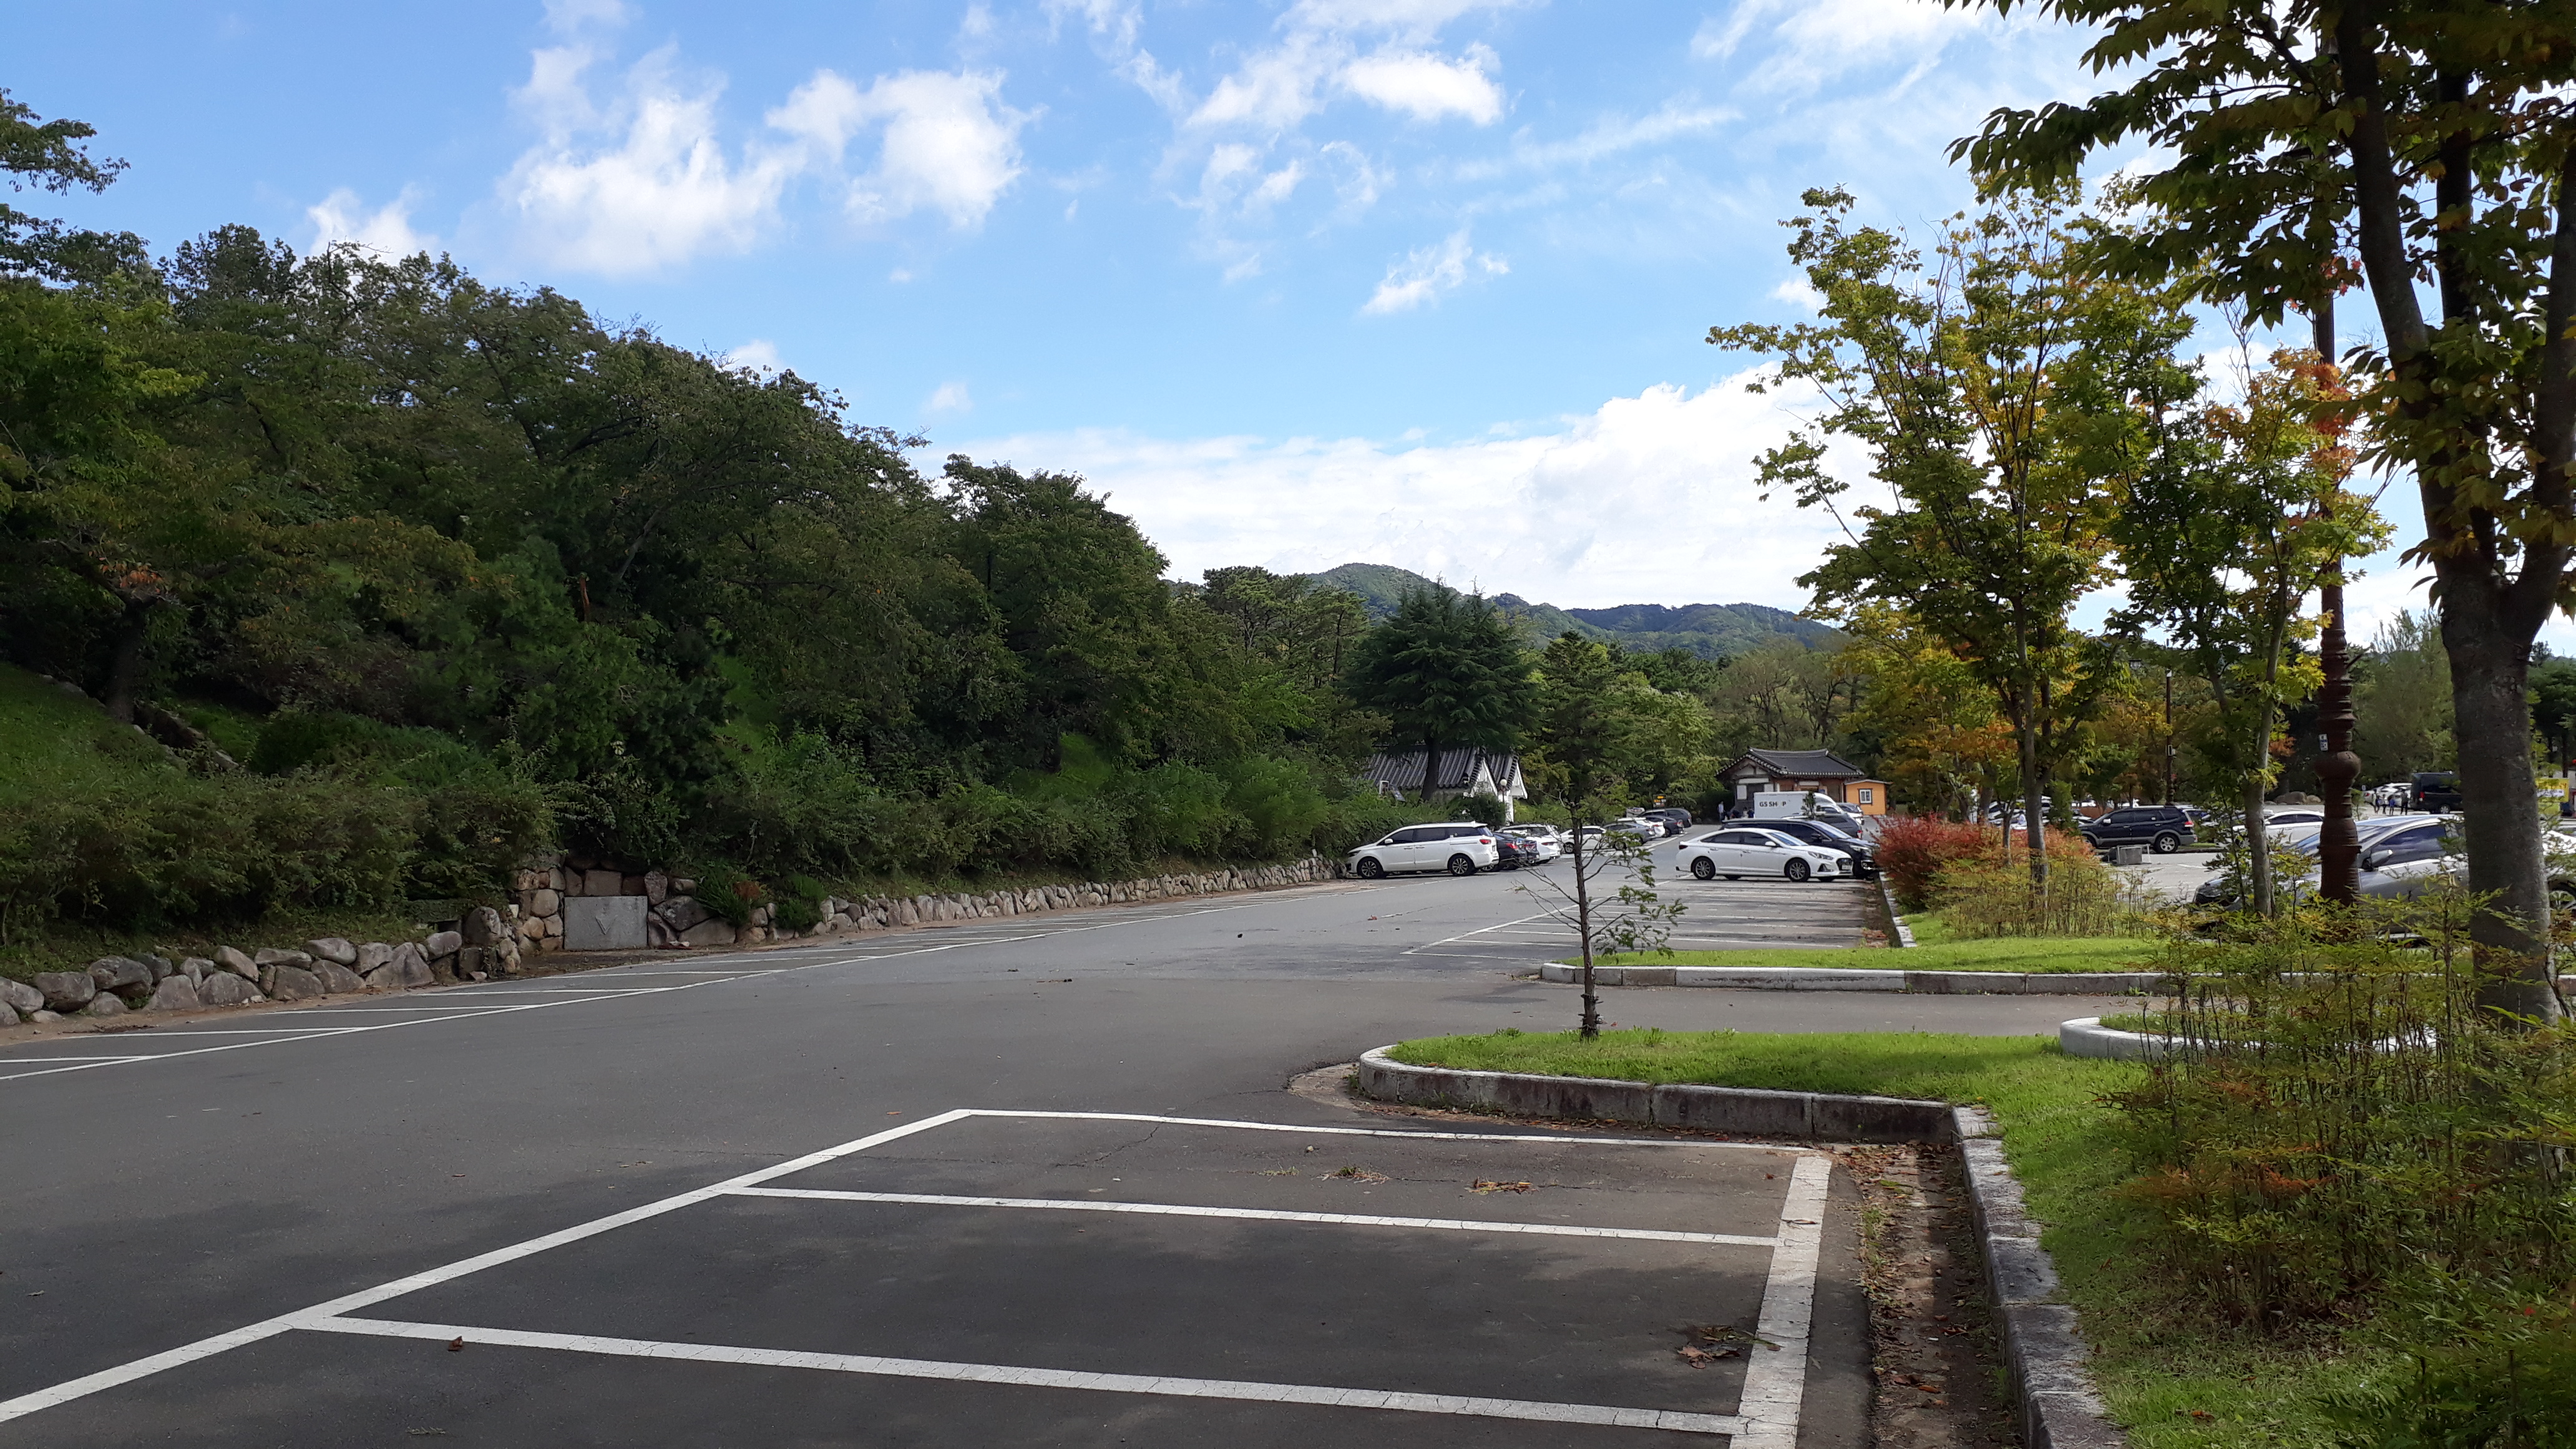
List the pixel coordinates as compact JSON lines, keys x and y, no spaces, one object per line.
{"x":1712,"y":631}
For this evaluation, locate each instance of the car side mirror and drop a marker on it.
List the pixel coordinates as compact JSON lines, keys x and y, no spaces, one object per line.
{"x":2375,"y":859}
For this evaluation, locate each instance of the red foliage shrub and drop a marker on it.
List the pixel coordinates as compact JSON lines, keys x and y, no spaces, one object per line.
{"x":1913,"y":849}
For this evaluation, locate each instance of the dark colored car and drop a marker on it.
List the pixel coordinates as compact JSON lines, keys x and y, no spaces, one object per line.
{"x":1674,"y":816}
{"x":1513,"y":851}
{"x":2163,"y":829}
{"x":2435,"y":790}
{"x":1864,"y":860}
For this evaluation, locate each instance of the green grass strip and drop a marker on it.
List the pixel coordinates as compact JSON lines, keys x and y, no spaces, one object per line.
{"x":2028,"y":954}
{"x":2171,"y":1374}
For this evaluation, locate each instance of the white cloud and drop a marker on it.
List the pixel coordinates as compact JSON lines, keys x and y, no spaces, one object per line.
{"x":1427,"y":87}
{"x":643,"y":181}
{"x":656,"y":190}
{"x":1275,"y":88}
{"x":758,"y":355}
{"x":950,"y":397}
{"x":1647,"y":498}
{"x":567,"y":16}
{"x":386,"y":233}
{"x":949,"y":144}
{"x":1800,"y":293}
{"x":1428,"y":272}
{"x":1818,"y":40}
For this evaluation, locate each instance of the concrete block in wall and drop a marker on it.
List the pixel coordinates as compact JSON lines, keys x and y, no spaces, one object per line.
{"x":603,"y":923}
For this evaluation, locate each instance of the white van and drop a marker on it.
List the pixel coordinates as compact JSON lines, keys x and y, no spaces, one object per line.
{"x":1805,"y":805}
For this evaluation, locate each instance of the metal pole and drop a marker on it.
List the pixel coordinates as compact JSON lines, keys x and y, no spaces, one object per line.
{"x":2338,"y":842}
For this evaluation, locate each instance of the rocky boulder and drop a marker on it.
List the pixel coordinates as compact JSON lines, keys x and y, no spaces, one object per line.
{"x":158,"y":966}
{"x":223,"y":988}
{"x":371,"y":956}
{"x":175,"y":993}
{"x":708,"y":933}
{"x":122,"y":975}
{"x":279,"y":981}
{"x":413,"y":966}
{"x":104,"y":1004}
{"x":682,"y":912}
{"x":334,"y":949}
{"x":236,"y":963}
{"x":483,"y":926}
{"x":8,"y":1015}
{"x":65,"y":990}
{"x":338,"y":980}
{"x":196,"y":969}
{"x":20,"y":997}
{"x":271,"y":956}
{"x":441,"y":943}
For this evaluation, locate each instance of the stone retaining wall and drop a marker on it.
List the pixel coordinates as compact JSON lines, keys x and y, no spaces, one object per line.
{"x":674,"y":918}
{"x":482,"y":947}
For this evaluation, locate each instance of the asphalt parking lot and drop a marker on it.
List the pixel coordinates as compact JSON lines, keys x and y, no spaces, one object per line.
{"x":1037,"y":1277}
{"x":252,"y":1227}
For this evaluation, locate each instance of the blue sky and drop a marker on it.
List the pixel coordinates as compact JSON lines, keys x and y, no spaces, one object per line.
{"x":1422,"y":282}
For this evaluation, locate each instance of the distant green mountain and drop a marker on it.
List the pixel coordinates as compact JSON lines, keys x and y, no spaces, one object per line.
{"x":1712,"y":631}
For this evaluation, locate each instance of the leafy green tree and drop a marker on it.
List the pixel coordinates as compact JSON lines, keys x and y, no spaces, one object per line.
{"x":1976,"y":386}
{"x":1589,"y":732}
{"x":2402,"y":700}
{"x":1447,"y":670}
{"x":2421,"y":147}
{"x":2233,"y":516}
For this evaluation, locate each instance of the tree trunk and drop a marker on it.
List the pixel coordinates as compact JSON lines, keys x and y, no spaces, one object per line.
{"x":1430,"y":767}
{"x":1590,"y":1026}
{"x":2258,"y":844}
{"x":2034,"y":803}
{"x":2499,"y":800}
{"x":125,"y":664}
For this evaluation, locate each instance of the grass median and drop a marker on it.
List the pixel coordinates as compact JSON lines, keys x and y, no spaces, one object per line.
{"x":2033,"y":955}
{"x":2169,"y":1373}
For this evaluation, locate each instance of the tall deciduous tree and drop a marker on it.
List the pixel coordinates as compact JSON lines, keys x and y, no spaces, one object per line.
{"x":2434,"y":140}
{"x":2235,"y":513}
{"x":1961,"y":382}
{"x":1447,"y":670}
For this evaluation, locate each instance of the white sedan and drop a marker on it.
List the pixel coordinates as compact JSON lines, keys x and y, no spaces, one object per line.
{"x":1739,"y":851}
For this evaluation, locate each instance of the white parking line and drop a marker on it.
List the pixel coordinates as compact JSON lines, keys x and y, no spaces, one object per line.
{"x":1267,"y":1215}
{"x":1163,"y":1386}
{"x":1787,"y":1307}
{"x":1775,"y":1376}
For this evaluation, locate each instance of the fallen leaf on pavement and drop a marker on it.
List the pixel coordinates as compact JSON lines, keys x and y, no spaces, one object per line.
{"x":1486,"y":1184}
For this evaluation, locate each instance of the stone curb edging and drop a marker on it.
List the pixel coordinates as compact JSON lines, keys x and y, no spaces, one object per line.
{"x":2043,"y":1347}
{"x":2086,"y":1036}
{"x":1819,"y":978}
{"x":1887,"y":898}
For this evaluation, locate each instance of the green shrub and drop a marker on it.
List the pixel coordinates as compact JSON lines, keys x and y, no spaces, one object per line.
{"x":728,"y":894}
{"x":799,"y":906}
{"x":1981,"y":895}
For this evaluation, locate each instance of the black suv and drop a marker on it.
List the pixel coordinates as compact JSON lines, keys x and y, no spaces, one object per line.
{"x":1674,"y":816}
{"x":2435,"y":790}
{"x":1864,"y":861}
{"x":2163,"y":829}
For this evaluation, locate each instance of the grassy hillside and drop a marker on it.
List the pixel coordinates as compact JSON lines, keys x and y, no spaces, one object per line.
{"x":1711,"y":631}
{"x":52,"y":740}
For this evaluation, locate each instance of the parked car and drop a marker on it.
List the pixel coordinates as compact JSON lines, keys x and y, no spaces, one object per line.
{"x":1675,"y":818}
{"x":2163,"y":829}
{"x":1458,"y":849}
{"x":1511,"y":852}
{"x":1861,"y":858}
{"x":2398,"y":852}
{"x":2434,"y":790}
{"x":1549,"y":840}
{"x":1739,"y":851}
{"x":1637,"y":825}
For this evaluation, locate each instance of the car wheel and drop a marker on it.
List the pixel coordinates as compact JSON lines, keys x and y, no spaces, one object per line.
{"x":1369,"y":868}
{"x":1704,"y":868}
{"x":1796,"y":870}
{"x":1461,"y":865}
{"x":2166,"y":844}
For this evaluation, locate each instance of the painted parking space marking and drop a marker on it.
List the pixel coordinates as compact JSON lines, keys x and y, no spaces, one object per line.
{"x":984,"y":1373}
{"x":1769,"y":1402}
{"x":1266,"y":1215}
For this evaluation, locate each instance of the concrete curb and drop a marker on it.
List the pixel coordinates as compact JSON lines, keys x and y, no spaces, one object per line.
{"x":1904,"y":934}
{"x":2043,"y":1347}
{"x":1819,"y":978}
{"x":2086,"y":1036}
